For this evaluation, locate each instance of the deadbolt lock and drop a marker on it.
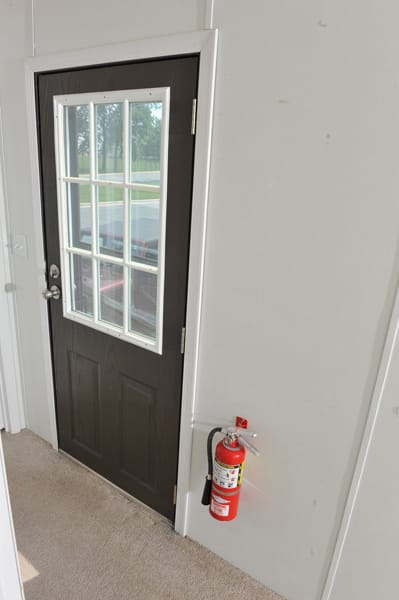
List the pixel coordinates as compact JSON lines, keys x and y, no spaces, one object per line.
{"x":54,"y":271}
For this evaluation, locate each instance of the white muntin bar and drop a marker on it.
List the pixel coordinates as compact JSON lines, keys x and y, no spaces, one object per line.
{"x":62,"y":198}
{"x":126,"y":142}
{"x":94,"y":235}
{"x":79,"y":251}
{"x":143,"y":267}
{"x":126,"y":211}
{"x":144,"y":187}
{"x":163,"y":203}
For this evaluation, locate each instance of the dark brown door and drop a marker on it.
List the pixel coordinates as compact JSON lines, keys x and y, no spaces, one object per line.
{"x":116,"y":190}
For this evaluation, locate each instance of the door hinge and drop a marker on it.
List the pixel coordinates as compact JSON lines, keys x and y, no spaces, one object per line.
{"x":174,"y":493}
{"x":194,"y":117}
{"x":183,"y":340}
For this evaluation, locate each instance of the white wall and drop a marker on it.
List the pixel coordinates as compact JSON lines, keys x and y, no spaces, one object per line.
{"x":301,"y":269}
{"x":301,"y":253}
{"x":368,"y":566}
{"x":75,"y":24}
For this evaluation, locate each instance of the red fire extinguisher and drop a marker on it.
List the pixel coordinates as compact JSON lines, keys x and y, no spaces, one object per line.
{"x":223,"y":482}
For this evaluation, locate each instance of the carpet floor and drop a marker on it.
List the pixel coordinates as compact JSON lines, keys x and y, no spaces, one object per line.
{"x":81,"y":539}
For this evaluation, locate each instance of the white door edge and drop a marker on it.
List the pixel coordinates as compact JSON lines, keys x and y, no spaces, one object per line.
{"x":2,"y":419}
{"x":205,"y":44}
{"x":10,"y":577}
{"x":390,"y":341}
{"x":11,"y":396}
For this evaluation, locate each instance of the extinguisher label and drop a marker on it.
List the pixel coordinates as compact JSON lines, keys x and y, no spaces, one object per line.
{"x":227,"y":476}
{"x":219,"y":506}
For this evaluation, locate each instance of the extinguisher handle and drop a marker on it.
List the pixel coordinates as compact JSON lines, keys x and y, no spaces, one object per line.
{"x":248,"y":445}
{"x":238,"y":431}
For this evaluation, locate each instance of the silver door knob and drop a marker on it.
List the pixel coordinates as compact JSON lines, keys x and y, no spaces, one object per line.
{"x":54,"y":293}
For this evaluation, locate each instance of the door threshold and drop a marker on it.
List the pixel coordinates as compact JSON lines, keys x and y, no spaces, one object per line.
{"x":153,"y":512}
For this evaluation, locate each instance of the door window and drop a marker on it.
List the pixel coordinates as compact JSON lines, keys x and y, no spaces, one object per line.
{"x":111,"y":154}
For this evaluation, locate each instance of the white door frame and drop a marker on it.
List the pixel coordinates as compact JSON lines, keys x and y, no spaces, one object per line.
{"x":11,"y":391}
{"x":204,"y":43}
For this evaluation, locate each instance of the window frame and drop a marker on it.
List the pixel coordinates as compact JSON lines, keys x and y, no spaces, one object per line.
{"x":129,"y":266}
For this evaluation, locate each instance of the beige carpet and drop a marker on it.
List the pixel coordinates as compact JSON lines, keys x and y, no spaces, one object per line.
{"x":80,"y":539}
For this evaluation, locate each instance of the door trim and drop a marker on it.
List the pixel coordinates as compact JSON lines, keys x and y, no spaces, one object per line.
{"x":11,"y":389}
{"x":205,"y":44}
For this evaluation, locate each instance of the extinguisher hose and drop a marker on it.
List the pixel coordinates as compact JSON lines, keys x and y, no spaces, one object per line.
{"x":206,"y":496}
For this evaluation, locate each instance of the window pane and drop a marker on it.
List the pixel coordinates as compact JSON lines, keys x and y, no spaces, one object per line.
{"x":145,"y":142}
{"x":144,"y":226}
{"x":81,"y":284}
{"x":109,"y":141}
{"x":143,"y":303}
{"x":110,"y":216}
{"x":77,"y":141}
{"x":79,"y":217}
{"x":111,"y":293}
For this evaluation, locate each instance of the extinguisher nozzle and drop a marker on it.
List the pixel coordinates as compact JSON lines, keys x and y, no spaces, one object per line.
{"x":206,"y":495}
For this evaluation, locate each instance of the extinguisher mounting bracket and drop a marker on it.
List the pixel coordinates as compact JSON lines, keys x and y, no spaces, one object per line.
{"x":241,"y":422}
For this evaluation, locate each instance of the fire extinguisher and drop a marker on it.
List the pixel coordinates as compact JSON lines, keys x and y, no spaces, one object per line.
{"x":223,"y":482}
